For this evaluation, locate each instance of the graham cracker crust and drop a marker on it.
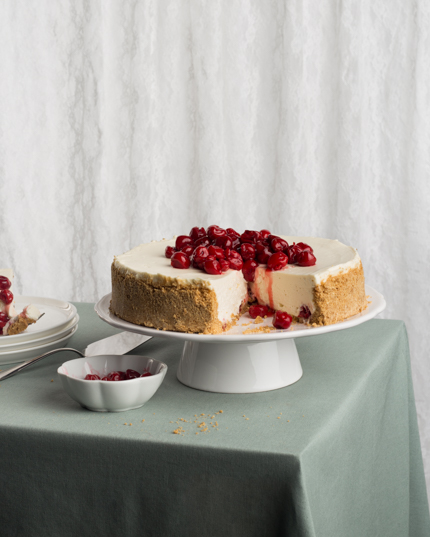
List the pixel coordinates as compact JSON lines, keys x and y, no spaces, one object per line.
{"x":19,"y":326}
{"x":181,"y":309}
{"x":338,"y":298}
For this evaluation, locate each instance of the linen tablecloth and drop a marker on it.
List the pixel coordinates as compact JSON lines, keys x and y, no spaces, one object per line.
{"x":336,"y":454}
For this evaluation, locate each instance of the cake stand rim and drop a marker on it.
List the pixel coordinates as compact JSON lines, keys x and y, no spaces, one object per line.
{"x":376,"y":306}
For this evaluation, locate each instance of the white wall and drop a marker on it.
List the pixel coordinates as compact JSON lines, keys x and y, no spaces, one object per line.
{"x":127,"y":121}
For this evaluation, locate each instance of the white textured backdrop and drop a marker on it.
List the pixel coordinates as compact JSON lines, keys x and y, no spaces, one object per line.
{"x":127,"y":121}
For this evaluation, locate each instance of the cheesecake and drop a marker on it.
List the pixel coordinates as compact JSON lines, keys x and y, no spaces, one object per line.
{"x":175,"y":285}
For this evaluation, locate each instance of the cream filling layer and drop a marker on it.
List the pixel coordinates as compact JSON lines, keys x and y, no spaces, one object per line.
{"x":293,"y":287}
{"x":148,"y":261}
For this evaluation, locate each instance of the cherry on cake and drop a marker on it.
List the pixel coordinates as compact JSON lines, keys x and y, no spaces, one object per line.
{"x":202,"y":282}
{"x":11,"y":322}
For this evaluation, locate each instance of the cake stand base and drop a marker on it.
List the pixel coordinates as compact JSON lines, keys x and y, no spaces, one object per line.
{"x":245,"y":367}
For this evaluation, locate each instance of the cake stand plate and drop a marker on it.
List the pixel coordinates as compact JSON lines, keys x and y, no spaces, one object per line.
{"x":244,"y":359}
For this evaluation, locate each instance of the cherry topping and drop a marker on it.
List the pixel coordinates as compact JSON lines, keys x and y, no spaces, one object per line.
{"x":197,"y":233}
{"x":224,"y":242}
{"x":305,"y":247}
{"x":264,"y":233}
{"x":235,"y":263}
{"x":180,"y":260}
{"x":247,"y":251}
{"x":170,"y":250}
{"x":6,"y":296}
{"x":5,"y":283}
{"x":306,"y":259}
{"x":224,"y":264}
{"x":232,"y":233}
{"x":278,"y":245}
{"x":92,"y":377}
{"x":104,"y":378}
{"x":305,"y":312}
{"x":183,"y":240}
{"x":188,"y":249}
{"x":146,"y":374}
{"x":4,"y":318}
{"x":293,"y":252}
{"x":131,"y":374}
{"x":264,"y":254}
{"x":212,"y":266}
{"x":282,"y":320}
{"x":216,"y":231}
{"x":203,"y":241}
{"x":250,"y":236}
{"x":260,"y":311}
{"x":216,"y":251}
{"x":277,"y":261}
{"x":248,"y":270}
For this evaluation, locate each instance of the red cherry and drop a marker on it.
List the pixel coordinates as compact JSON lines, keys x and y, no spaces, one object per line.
{"x":183,"y":240}
{"x":105,"y":378}
{"x":6,"y":296}
{"x":197,"y":233}
{"x":235,"y":263}
{"x":169,"y":251}
{"x":212,"y":266}
{"x":131,"y":374}
{"x":203,"y":241}
{"x":306,"y":259}
{"x":216,"y":251}
{"x":264,"y":233}
{"x":224,"y":264}
{"x":232,"y":254}
{"x":282,"y":320}
{"x":248,"y":270}
{"x":247,"y":251}
{"x":260,"y":311}
{"x":250,"y":236}
{"x":216,"y":231}
{"x":305,"y":247}
{"x":180,"y":260}
{"x":232,"y":233}
{"x":277,"y":261}
{"x":115,"y":376}
{"x":223,"y":242}
{"x":305,"y":312}
{"x":5,"y":283}
{"x":263,"y":256}
{"x":292,"y":253}
{"x":278,"y":245}
{"x":201,"y":251}
{"x":146,"y":374}
{"x":92,"y":377}
{"x":188,"y":250}
{"x":4,"y":316}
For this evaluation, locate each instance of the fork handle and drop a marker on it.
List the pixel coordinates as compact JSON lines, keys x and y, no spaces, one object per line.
{"x":9,"y":372}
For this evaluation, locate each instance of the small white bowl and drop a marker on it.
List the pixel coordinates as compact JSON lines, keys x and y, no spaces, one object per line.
{"x":108,"y":396}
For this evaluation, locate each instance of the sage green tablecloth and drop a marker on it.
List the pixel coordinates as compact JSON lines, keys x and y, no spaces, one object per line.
{"x":336,"y":454}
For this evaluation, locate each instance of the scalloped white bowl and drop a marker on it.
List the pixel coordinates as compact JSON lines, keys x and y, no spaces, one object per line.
{"x":105,"y":396}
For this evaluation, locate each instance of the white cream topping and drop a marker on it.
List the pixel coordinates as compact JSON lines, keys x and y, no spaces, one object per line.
{"x":148,"y":261}
{"x":287,"y":289}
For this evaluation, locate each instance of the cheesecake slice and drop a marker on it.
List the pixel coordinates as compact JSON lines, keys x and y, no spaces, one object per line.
{"x":11,"y":322}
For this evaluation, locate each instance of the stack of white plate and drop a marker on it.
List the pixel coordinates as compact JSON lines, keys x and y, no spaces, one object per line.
{"x":52,"y":331}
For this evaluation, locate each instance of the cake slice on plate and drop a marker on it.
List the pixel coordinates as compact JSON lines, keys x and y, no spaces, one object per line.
{"x":11,"y":322}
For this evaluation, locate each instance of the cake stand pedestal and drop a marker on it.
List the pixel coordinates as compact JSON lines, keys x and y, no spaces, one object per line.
{"x":239,"y":367}
{"x":244,"y":359}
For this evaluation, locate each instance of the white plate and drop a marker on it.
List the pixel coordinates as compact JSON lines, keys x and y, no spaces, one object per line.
{"x":237,"y":333}
{"x":5,"y":349}
{"x":57,"y":315}
{"x":21,"y":355}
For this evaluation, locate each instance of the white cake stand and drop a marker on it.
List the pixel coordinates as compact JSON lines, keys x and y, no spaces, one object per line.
{"x":240,"y":361}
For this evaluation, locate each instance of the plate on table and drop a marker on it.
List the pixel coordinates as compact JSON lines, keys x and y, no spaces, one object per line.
{"x":21,"y":355}
{"x":57,"y":314}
